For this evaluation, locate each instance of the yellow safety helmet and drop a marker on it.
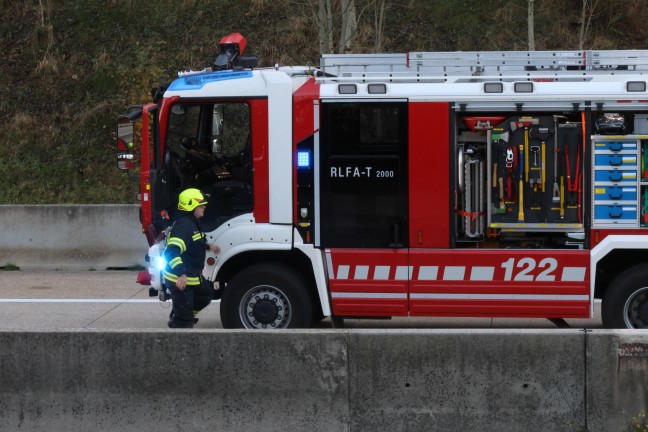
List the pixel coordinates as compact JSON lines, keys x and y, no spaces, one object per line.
{"x":189,"y":199}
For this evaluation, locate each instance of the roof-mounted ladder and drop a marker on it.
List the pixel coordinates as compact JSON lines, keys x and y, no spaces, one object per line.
{"x":485,"y":63}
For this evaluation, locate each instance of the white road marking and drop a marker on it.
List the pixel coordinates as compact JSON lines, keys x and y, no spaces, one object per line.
{"x":63,"y":300}
{"x":90,"y":300}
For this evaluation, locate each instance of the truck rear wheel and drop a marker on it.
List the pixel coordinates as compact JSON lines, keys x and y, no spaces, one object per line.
{"x":266,"y":296}
{"x":625,"y":303}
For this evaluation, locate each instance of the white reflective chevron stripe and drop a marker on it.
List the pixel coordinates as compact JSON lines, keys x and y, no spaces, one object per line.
{"x":482,"y":273}
{"x":573,"y":274}
{"x":551,"y":297}
{"x":329,"y":261}
{"x":403,"y":272}
{"x":438,"y":273}
{"x":381,"y":273}
{"x":454,"y":273}
{"x":368,"y":295}
{"x":342,"y":272}
{"x":428,"y":272}
{"x":361,"y":272}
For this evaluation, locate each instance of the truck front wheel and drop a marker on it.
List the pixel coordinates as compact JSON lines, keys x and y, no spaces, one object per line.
{"x":266,"y":296}
{"x":625,"y":303}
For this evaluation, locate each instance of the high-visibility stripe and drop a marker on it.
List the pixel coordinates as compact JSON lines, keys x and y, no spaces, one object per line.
{"x":175,"y":262}
{"x":197,"y":236}
{"x":170,"y":276}
{"x":191,"y":280}
{"x":176,"y":241}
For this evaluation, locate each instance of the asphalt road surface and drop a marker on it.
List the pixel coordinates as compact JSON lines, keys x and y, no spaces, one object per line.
{"x":46,"y":300}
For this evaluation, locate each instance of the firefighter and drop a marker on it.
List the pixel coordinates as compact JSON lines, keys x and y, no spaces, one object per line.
{"x":186,"y":246}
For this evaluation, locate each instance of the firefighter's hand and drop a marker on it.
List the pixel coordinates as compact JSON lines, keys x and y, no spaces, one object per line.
{"x":181,"y":283}
{"x":214,"y":248}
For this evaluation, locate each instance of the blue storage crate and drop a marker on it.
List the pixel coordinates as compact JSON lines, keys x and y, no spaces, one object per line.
{"x":616,"y":146}
{"x":604,"y":213}
{"x":615,"y":175}
{"x":615,"y":193}
{"x":615,"y":160}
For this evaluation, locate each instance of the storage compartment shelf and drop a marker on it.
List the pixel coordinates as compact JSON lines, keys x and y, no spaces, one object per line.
{"x":618,"y":193}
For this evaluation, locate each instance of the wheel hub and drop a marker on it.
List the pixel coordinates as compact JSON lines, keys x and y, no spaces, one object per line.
{"x":643,"y":312}
{"x":265,"y":307}
{"x":265,"y":311}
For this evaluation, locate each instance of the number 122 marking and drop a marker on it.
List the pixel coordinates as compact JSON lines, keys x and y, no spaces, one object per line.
{"x":527,"y":266}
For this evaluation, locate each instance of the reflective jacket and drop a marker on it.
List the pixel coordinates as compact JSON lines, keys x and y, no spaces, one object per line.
{"x":185,"y":250}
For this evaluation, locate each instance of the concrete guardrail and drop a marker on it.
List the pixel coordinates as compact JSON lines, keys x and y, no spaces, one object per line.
{"x":71,"y":236}
{"x":323,"y":380}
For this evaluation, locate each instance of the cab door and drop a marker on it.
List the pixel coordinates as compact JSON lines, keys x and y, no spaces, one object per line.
{"x":363,"y":206}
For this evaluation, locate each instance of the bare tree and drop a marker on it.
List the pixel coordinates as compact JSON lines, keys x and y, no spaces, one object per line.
{"x":530,"y":24}
{"x":379,"y":25}
{"x":338,"y":21}
{"x":378,"y":7}
{"x":587,"y":13}
{"x":349,"y":25}
{"x":324,"y":20}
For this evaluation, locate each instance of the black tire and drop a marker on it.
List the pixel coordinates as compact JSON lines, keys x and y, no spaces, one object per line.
{"x":266,"y":296}
{"x":625,"y":302}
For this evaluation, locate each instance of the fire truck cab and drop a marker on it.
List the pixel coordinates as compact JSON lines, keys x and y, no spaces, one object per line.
{"x":472,"y":184}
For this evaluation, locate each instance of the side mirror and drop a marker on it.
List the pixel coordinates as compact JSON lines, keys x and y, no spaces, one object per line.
{"x":125,"y":161}
{"x":125,"y":135}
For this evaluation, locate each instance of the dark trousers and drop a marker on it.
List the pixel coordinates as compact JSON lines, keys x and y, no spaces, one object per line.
{"x":193,"y":299}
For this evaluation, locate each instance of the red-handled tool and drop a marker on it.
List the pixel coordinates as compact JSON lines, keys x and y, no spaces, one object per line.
{"x":521,"y":184}
{"x":572,"y":182}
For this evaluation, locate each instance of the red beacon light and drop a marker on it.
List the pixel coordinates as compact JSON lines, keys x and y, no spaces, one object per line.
{"x":231,"y":53}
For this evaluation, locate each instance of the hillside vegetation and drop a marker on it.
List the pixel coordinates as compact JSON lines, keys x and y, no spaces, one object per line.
{"x":70,"y":67}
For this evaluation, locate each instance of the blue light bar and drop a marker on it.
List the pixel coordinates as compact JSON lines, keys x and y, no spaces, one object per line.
{"x":198,"y":81}
{"x":303,"y":159}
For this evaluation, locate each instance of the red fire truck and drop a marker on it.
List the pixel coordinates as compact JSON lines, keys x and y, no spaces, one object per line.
{"x":457,"y":184}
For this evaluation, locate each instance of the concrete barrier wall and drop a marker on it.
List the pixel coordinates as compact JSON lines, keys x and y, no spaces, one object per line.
{"x":323,"y":380}
{"x":71,"y":236}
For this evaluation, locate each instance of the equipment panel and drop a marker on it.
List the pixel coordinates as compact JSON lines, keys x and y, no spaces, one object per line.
{"x":519,"y":174}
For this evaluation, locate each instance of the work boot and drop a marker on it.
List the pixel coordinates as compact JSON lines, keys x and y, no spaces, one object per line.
{"x":171,"y":319}
{"x":173,"y":324}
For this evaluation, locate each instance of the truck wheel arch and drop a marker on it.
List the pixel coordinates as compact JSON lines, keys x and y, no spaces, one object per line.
{"x":293,"y":259}
{"x":625,"y":302}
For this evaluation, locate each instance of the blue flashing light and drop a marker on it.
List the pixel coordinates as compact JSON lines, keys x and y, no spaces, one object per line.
{"x":198,"y":81}
{"x":303,"y":159}
{"x":161,"y":263}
